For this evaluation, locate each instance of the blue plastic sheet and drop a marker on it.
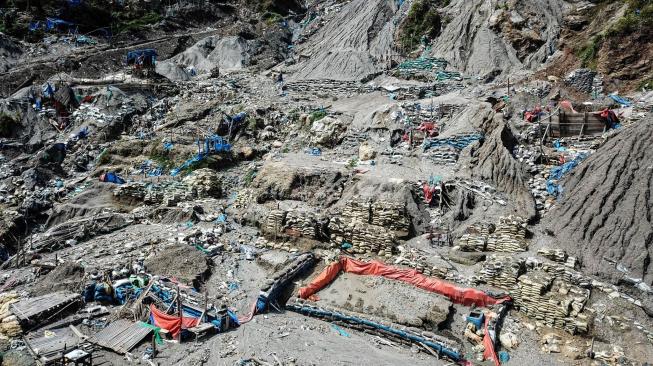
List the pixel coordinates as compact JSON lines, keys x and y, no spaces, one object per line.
{"x":458,"y":142}
{"x":558,"y":172}
{"x":620,"y":100}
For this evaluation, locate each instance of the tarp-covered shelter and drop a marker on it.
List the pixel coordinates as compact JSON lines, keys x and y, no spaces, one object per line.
{"x":145,"y":57}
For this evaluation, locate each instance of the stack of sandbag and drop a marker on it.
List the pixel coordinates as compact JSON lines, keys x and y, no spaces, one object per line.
{"x":390,"y":214}
{"x":9,"y":325}
{"x":364,"y":238}
{"x":274,"y":222}
{"x":475,"y":237}
{"x":509,"y":236}
{"x":304,"y":223}
{"x":204,"y":183}
{"x":553,"y":302}
{"x":501,"y":271}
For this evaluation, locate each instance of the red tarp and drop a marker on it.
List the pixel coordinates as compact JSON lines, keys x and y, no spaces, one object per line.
{"x":171,"y":322}
{"x":458,"y":295}
{"x":428,"y":192}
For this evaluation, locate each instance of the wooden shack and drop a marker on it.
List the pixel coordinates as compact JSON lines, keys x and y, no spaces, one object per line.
{"x":567,"y":124}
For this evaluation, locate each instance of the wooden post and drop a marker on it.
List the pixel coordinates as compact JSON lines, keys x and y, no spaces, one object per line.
{"x":206,"y":304}
{"x":153,"y":345}
{"x":582,"y":127}
{"x":181,"y":319}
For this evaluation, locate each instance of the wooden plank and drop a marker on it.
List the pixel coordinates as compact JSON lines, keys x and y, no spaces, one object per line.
{"x":121,"y":336}
{"x":32,"y":308}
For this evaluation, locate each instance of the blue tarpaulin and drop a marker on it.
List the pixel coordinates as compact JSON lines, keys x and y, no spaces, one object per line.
{"x":55,"y":23}
{"x":111,"y":177}
{"x":620,"y":100}
{"x":558,"y":172}
{"x":146,"y":56}
{"x":458,"y":142}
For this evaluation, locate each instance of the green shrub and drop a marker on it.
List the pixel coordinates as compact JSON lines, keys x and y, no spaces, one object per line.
{"x":104,"y":158}
{"x":317,"y":115}
{"x":139,"y":23}
{"x":589,"y":53}
{"x":422,"y":22}
{"x":272,"y":18}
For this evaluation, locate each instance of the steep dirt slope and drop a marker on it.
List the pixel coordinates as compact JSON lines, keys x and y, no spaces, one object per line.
{"x":494,"y":162}
{"x":352,"y":44}
{"x":605,"y":213}
{"x":487,"y":37}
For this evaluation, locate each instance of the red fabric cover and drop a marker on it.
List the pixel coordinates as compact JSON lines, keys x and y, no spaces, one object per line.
{"x":489,"y":352}
{"x":458,"y":295}
{"x":428,"y":193}
{"x":171,"y":322}
{"x":566,"y":105}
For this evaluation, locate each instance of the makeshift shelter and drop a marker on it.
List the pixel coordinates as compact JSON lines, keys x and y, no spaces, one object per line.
{"x":172,"y":323}
{"x":111,"y":177}
{"x":65,"y":96}
{"x":59,"y":25}
{"x":141,"y":58}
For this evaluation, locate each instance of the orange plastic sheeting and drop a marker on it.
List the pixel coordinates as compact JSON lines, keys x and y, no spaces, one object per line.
{"x":458,"y":295}
{"x":171,"y":322}
{"x":322,"y":280}
{"x":489,"y":353}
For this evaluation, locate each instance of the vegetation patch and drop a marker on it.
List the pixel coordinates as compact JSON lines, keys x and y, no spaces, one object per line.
{"x":317,"y":115}
{"x":423,"y":23}
{"x":589,"y":53}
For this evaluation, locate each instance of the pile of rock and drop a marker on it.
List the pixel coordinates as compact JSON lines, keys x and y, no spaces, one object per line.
{"x":9,"y":325}
{"x":509,"y":236}
{"x":553,"y":302}
{"x":581,"y":79}
{"x":501,"y":271}
{"x":204,"y":183}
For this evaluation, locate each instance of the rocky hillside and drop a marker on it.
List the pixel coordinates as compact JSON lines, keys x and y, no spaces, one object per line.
{"x":605,"y":212}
